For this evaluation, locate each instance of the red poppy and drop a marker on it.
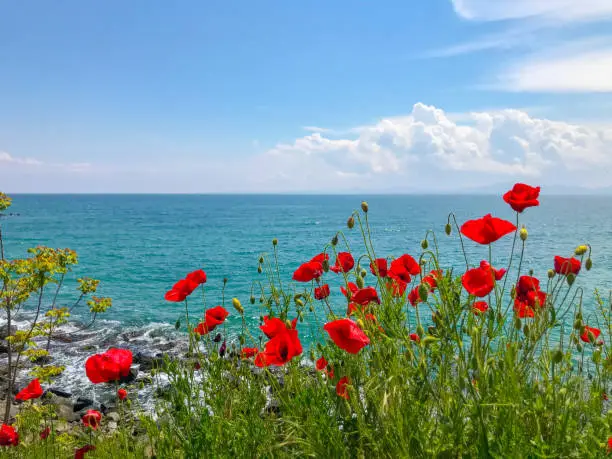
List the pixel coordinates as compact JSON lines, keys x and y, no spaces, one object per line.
{"x":197,"y":277}
{"x":273,"y":326}
{"x":308,"y":271}
{"x":321,"y":292}
{"x":379,"y":264}
{"x":365,"y":296}
{"x":44,"y":434}
{"x":112,"y":365}
{"x":32,"y":390}
{"x":80,"y":453}
{"x":527,"y":284}
{"x":341,"y":387}
{"x":414,"y":296}
{"x":497,"y":273}
{"x":202,"y":329}
{"x":280,"y":349}
{"x":352,"y":288}
{"x":414,"y":337}
{"x":522,"y":196}
{"x":398,"y":288}
{"x":567,"y":265}
{"x":92,"y":419}
{"x":354,"y":307}
{"x":347,"y":335}
{"x":609,"y":444}
{"x":321,"y":364}
{"x":480,"y":307}
{"x":248,"y":352}
{"x":478,"y":282}
{"x":122,"y":394}
{"x":487,"y":229}
{"x":215,"y":316}
{"x":536,"y":298}
{"x":320,"y":258}
{"x":403,"y":267}
{"x":8,"y":436}
{"x":590,"y":330}
{"x":522,"y":309}
{"x":344,"y":263}
{"x":181,"y":290}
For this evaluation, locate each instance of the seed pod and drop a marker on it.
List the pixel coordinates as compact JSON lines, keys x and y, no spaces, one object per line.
{"x":261,"y":259}
{"x":557,"y":356}
{"x":517,"y":323}
{"x":363,"y":273}
{"x":448,"y":229}
{"x":581,"y":250}
{"x":261,"y":299}
{"x":350,"y":222}
{"x":420,"y":331}
{"x":577,"y":324}
{"x":424,"y":244}
{"x":364,"y":207}
{"x":423,"y":291}
{"x":259,"y":270}
{"x":571,"y":277}
{"x":274,"y":242}
{"x":588,"y":264}
{"x":523,"y":234}
{"x":551,"y":273}
{"x":325,"y":265}
{"x":334,"y":240}
{"x":526,"y":329}
{"x":299,"y":303}
{"x":579,"y":347}
{"x":359,"y":281}
{"x":252,"y":299}
{"x":237,"y":306}
{"x":597,"y":357}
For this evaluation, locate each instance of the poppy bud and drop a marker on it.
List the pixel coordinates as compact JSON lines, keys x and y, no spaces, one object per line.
{"x":517,"y":323}
{"x":523,"y":234}
{"x":429,"y":340}
{"x":325,"y":265}
{"x":224,"y":280}
{"x":447,"y":229}
{"x":350,"y":222}
{"x":301,"y":316}
{"x":252,"y":299}
{"x":261,"y":260}
{"x":591,"y":336}
{"x":424,"y":244}
{"x":588,"y":264}
{"x":526,"y":330}
{"x":571,"y":277}
{"x":551,"y":273}
{"x":581,"y":250}
{"x":299,"y":303}
{"x":596,"y":357}
{"x":363,"y":273}
{"x":364,"y":206}
{"x":557,"y":356}
{"x":261,"y":299}
{"x":311,"y":308}
{"x":579,"y":347}
{"x":420,"y":331}
{"x":259,"y":270}
{"x":531,"y":272}
{"x":241,"y":340}
{"x":222,"y":349}
{"x":578,"y":324}
{"x":274,"y":242}
{"x":334,"y":240}
{"x":217,"y":338}
{"x":513,"y":292}
{"x":237,"y":306}
{"x":359,"y":281}
{"x":360,"y":323}
{"x":423,"y":292}
{"x":177,"y":325}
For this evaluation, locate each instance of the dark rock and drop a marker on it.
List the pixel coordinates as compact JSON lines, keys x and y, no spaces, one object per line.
{"x":273,"y":407}
{"x":82,"y":403}
{"x":148,"y":361}
{"x":166,"y":347}
{"x":131,"y":375}
{"x":4,"y":331}
{"x":60,"y":393}
{"x":63,"y":338}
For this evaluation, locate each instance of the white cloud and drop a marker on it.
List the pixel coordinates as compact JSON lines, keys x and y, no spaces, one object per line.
{"x":8,"y":159}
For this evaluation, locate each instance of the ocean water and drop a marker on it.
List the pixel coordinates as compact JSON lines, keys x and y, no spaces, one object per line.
{"x":139,"y":245}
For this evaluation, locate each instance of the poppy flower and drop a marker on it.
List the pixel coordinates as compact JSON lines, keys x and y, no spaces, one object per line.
{"x":478,"y":282}
{"x":414,"y":337}
{"x":347,"y":335}
{"x":320,"y":258}
{"x":321,"y":364}
{"x":341,"y":387}
{"x":413,"y":297}
{"x":397,"y":288}
{"x":215,"y":316}
{"x":202,"y":329}
{"x":566,"y":266}
{"x":8,"y":436}
{"x":308,"y":271}
{"x":487,"y":229}
{"x":536,"y":298}
{"x":32,"y":390}
{"x":321,"y":292}
{"x":92,"y":419}
{"x":353,"y":308}
{"x":122,"y":394}
{"x":379,"y":264}
{"x":112,"y":365}
{"x":497,"y":273}
{"x":80,"y":453}
{"x":344,"y":263}
{"x":273,"y":326}
{"x":527,"y":284}
{"x":403,"y":267}
{"x":248,"y":352}
{"x":587,"y":332}
{"x":480,"y":307}
{"x":280,"y":349}
{"x":352,"y":288}
{"x":44,"y":434}
{"x":609,"y":444}
{"x":198,"y":277}
{"x":522,"y":196}
{"x":365,"y":296}
{"x":180,"y":291}
{"x":522,"y":309}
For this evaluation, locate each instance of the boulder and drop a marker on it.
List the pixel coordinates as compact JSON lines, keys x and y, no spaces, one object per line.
{"x":4,"y":331}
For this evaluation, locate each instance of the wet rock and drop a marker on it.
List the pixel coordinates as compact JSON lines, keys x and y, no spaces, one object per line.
{"x":60,"y":393}
{"x":166,"y":347}
{"x":81,"y":403}
{"x":131,"y":375}
{"x":4,"y":331}
{"x":113,"y":416}
{"x":111,"y":426}
{"x":148,"y":361}
{"x":67,"y":413}
{"x":63,"y":338}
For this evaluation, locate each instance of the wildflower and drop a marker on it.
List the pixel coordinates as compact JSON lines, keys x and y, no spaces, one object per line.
{"x":487,"y":229}
{"x":497,"y":273}
{"x":92,"y":419}
{"x":604,"y":396}
{"x":414,"y":337}
{"x":527,"y":284}
{"x":344,"y":263}
{"x":273,"y":326}
{"x":609,"y":445}
{"x":321,"y":364}
{"x":380,"y":265}
{"x":522,"y":309}
{"x":480,"y":307}
{"x":365,"y":296}
{"x":523,"y":234}
{"x":581,"y":250}
{"x":198,"y":277}
{"x":341,"y":387}
{"x":350,"y":290}
{"x":308,"y":271}
{"x":8,"y":436}
{"x":414,"y":297}
{"x":80,"y":453}
{"x":364,"y":206}
{"x":320,"y":258}
{"x":590,"y":334}
{"x":222,"y":349}
{"x":212,"y":317}
{"x":280,"y":349}
{"x":567,"y":266}
{"x":238,"y":306}
{"x":122,"y":394}
{"x":321,"y":292}
{"x":248,"y":352}
{"x":403,"y":267}
{"x":44,"y":434}
{"x":397,"y":288}
{"x":522,"y":196}
{"x":478,"y":281}
{"x":112,"y":365}
{"x":180,"y":291}
{"x":32,"y":390}
{"x":347,"y":335}
{"x":350,"y":222}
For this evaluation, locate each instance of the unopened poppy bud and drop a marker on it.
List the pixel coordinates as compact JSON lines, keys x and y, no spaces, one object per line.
{"x":531,"y":272}
{"x":252,"y":299}
{"x":420,"y":331}
{"x":571,"y":277}
{"x":523,"y":234}
{"x":299,"y":303}
{"x":311,"y":308}
{"x":513,"y":292}
{"x":588,"y":264}
{"x":591,"y":336}
{"x":274,"y":242}
{"x":241,"y":340}
{"x":581,"y":250}
{"x":237,"y":306}
{"x":259,"y":270}
{"x":360,"y":323}
{"x":423,"y":292}
{"x":359,"y":281}
{"x":579,"y":347}
{"x":428,"y":340}
{"x":300,"y":316}
{"x":596,"y":357}
{"x":334,"y":240}
{"x":141,"y":385}
{"x":551,"y":273}
{"x":579,"y":315}
{"x":325,"y":265}
{"x":424,"y":244}
{"x":577,"y":324}
{"x":363,"y":273}
{"x":217,"y":338}
{"x":350,"y":222}
{"x":225,"y":280}
{"x":364,"y":206}
{"x":557,"y":356}
{"x":447,"y":229}
{"x":517,"y":323}
{"x":261,"y":259}
{"x":261,"y":299}
{"x":222,"y":349}
{"x":177,"y":325}
{"x":526,"y":330}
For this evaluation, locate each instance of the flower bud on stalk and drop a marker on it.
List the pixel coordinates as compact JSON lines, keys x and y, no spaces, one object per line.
{"x":359,"y":281}
{"x":252,"y":299}
{"x":557,"y":356}
{"x":551,"y":273}
{"x":588,"y":264}
{"x":523,"y":234}
{"x":334,"y":240}
{"x":424,"y":244}
{"x":237,"y":305}
{"x":517,"y":323}
{"x":420,"y":331}
{"x":261,"y":260}
{"x":259,"y":270}
{"x":325,"y":265}
{"x":448,"y":229}
{"x":581,"y":250}
{"x":364,"y":207}
{"x":299,"y":303}
{"x":350,"y":222}
{"x":275,"y":242}
{"x":423,"y":292}
{"x":571,"y":277}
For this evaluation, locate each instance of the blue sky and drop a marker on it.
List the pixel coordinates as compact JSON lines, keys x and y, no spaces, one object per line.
{"x":310,"y":96}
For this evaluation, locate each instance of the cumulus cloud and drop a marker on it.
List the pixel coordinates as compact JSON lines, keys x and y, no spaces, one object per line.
{"x":427,"y":149}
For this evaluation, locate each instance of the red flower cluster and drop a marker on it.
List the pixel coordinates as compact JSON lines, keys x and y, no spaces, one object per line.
{"x":479,"y":281}
{"x":92,"y":419}
{"x":567,"y":266}
{"x":32,"y":390}
{"x":380,"y":265}
{"x":212,"y":317}
{"x":44,"y":434}
{"x":487,"y":229}
{"x":528,"y":296}
{"x":350,"y":290}
{"x":322,"y":365}
{"x":403,"y":268}
{"x":347,"y":335}
{"x":321,"y":292}
{"x":112,"y":365}
{"x":522,"y":196}
{"x":122,"y":394}
{"x":284,"y":343}
{"x":8,"y":436}
{"x":185,"y":287}
{"x":431,"y":281}
{"x":344,"y":263}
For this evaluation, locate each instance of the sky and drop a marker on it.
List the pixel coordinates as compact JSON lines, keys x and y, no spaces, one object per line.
{"x":310,"y":96}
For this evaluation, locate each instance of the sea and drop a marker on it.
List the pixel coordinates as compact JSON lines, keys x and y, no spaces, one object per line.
{"x":138,"y":246}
